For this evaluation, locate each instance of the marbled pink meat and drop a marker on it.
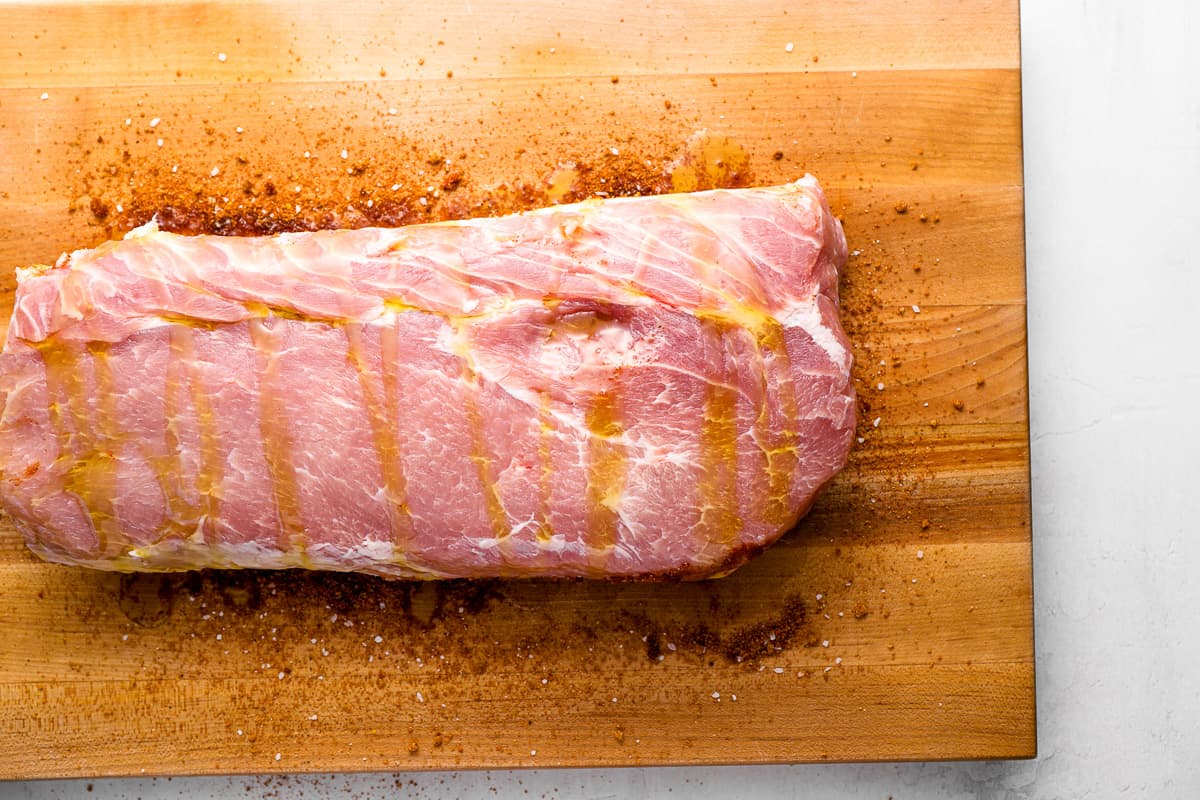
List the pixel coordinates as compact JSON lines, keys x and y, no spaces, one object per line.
{"x":635,"y":387}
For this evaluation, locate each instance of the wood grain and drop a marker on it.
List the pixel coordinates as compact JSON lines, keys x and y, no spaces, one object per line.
{"x":894,"y":623}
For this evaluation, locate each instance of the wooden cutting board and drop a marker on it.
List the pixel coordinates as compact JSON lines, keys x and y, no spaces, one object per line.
{"x":894,"y":623}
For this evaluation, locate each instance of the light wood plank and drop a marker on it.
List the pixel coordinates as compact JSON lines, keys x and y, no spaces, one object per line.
{"x":176,"y":43}
{"x":108,"y":675}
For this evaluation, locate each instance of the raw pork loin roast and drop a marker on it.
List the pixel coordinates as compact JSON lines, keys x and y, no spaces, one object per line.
{"x":636,"y":387}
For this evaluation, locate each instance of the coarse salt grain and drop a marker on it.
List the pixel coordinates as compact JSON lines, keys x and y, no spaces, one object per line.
{"x":779,"y":670}
{"x":215,"y":172}
{"x":378,"y":640}
{"x":716,"y":695}
{"x":345,"y":154}
{"x":824,"y":643}
{"x":533,"y":752}
{"x":313,"y":718}
{"x":916,"y":309}
{"x":789,"y":47}
{"x":420,"y":697}
{"x":160,"y":142}
{"x":920,"y":554}
{"x":154,"y":122}
{"x":614,"y":151}
{"x":879,"y":386}
{"x":239,"y":732}
{"x":278,"y":756}
{"x":239,"y":129}
{"x":45,"y":96}
{"x":876,"y":421}
{"x":282,"y":675}
{"x":222,"y":57}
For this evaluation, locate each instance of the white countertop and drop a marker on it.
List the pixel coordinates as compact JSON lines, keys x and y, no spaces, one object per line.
{"x":1112,"y":170}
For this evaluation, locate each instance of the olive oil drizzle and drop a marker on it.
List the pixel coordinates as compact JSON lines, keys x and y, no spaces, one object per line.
{"x":783,"y":456}
{"x":546,"y":468}
{"x":483,"y":461}
{"x":277,"y":445}
{"x":606,"y":473}
{"x":718,"y":446}
{"x":210,"y":476}
{"x":381,"y":403}
{"x":92,"y":466}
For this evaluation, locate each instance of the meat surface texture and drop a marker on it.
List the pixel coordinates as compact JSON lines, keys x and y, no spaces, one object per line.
{"x":637,"y":387}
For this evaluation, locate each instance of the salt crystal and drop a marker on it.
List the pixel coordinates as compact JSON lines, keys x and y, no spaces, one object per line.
{"x":218,"y":637}
{"x":716,"y":695}
{"x":282,"y":676}
{"x":222,"y":57}
{"x":879,"y":386}
{"x":876,"y":421}
{"x":160,"y":142}
{"x":215,"y":172}
{"x":345,"y":154}
{"x":239,"y":129}
{"x":789,"y":47}
{"x":779,"y":670}
{"x":45,"y":96}
{"x":313,"y":718}
{"x":533,"y":752}
{"x":837,"y":660}
{"x":239,"y":732}
{"x":420,"y":697}
{"x":154,"y":122}
{"x":614,"y":151}
{"x":395,"y":186}
{"x":278,"y":756}
{"x":824,"y":643}
{"x":916,"y":309}
{"x":920,"y":554}
{"x":378,"y":640}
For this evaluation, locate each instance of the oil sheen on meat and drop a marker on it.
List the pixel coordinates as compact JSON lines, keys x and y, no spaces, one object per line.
{"x":634,"y":387}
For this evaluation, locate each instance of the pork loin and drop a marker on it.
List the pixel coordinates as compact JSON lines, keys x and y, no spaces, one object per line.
{"x":634,"y":387}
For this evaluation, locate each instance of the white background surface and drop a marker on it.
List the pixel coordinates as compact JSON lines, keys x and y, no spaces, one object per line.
{"x":1112,"y":170}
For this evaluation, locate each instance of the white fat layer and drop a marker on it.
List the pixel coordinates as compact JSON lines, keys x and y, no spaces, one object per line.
{"x":808,"y":317}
